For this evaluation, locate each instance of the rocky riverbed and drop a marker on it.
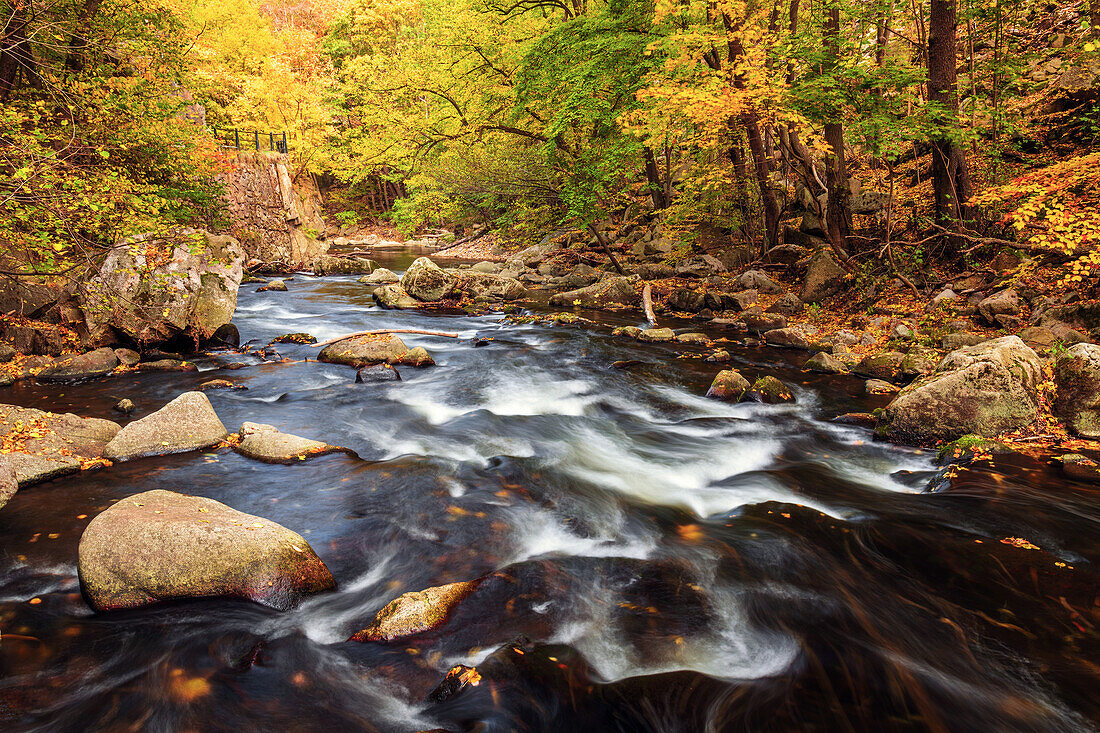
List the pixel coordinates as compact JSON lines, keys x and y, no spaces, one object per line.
{"x":508,"y":487}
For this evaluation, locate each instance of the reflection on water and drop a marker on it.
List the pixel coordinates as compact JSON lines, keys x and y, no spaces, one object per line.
{"x":659,"y":561}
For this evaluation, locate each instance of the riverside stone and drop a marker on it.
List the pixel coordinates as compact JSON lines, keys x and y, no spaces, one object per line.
{"x":266,"y":443}
{"x":93,"y":364}
{"x":160,"y":545}
{"x":415,"y":613}
{"x":186,"y":423}
{"x":984,"y":389}
{"x":729,"y":385}
{"x":1077,"y":378}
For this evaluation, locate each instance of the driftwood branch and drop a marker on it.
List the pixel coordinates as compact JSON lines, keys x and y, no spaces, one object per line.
{"x":647,"y":304}
{"x":381,"y":331}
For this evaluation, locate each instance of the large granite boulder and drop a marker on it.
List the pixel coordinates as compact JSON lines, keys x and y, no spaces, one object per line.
{"x":186,"y":423}
{"x":160,"y":546}
{"x":982,"y":390}
{"x":427,"y":281}
{"x":1077,"y":378}
{"x":98,"y":363}
{"x":45,"y":445}
{"x":151,"y":299}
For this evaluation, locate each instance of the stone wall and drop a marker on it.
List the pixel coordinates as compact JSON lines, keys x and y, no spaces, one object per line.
{"x":273,"y":218}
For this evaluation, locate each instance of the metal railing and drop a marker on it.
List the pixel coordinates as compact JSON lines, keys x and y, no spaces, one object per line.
{"x":247,"y":140}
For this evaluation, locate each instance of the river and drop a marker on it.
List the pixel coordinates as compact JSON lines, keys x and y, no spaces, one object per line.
{"x":668,"y":562}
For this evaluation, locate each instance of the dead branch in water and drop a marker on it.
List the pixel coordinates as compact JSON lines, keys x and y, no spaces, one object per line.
{"x":381,"y":331}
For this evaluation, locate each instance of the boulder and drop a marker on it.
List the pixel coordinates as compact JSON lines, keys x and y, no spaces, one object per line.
{"x":984,"y":389}
{"x":167,"y":365}
{"x":788,"y":337}
{"x":125,"y":406}
{"x":824,"y":277}
{"x":759,"y":281}
{"x":612,"y":290}
{"x":332,"y":265}
{"x":36,"y":338}
{"x":415,"y":613}
{"x":702,"y":266}
{"x":266,"y":443}
{"x":93,"y":364}
{"x":880,"y":386}
{"x":127,"y":357}
{"x":657,"y":335}
{"x":1077,"y":379}
{"x":484,"y":266}
{"x":9,"y":482}
{"x":729,"y":386}
{"x":427,"y":281}
{"x":693,"y":337}
{"x":628,"y":331}
{"x":686,"y":300}
{"x":7,"y":353}
{"x":1039,"y":337}
{"x":786,"y":254}
{"x":770,"y":390}
{"x":954,"y":341}
{"x":299,"y":337}
{"x":192,"y":295}
{"x":825,"y":364}
{"x":919,"y":362}
{"x":46,"y":445}
{"x":376,"y":374}
{"x":160,"y":546}
{"x":740,"y":301}
{"x":788,"y":305}
{"x":186,"y":423}
{"x":884,"y":365}
{"x":395,"y":297}
{"x":381,"y":276}
{"x":943,"y":297}
{"x":274,"y":285}
{"x":359,"y":351}
{"x":655,"y":271}
{"x":996,"y":307}
{"x":760,"y":323}
{"x":417,"y":356}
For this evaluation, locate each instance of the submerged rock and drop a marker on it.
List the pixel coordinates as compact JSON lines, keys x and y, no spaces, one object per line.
{"x":417,"y":356}
{"x":295,"y":338}
{"x":98,"y":363}
{"x":167,"y":365}
{"x":186,"y":423}
{"x":125,"y":406}
{"x":729,"y":385}
{"x":984,"y":389}
{"x":267,"y":443}
{"x":220,"y":384}
{"x":1077,"y":377}
{"x":414,"y":613}
{"x":160,"y":545}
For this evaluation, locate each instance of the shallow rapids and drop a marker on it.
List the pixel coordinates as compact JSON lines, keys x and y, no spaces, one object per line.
{"x":667,"y":562}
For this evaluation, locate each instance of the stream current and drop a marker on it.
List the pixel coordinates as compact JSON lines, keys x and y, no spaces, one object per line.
{"x":663,"y":562}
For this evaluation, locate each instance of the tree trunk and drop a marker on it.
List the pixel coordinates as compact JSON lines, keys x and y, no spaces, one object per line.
{"x":78,"y":43}
{"x":950,"y":179}
{"x":767,"y":193}
{"x":838,"y":217}
{"x":14,"y":50}
{"x":653,"y":177}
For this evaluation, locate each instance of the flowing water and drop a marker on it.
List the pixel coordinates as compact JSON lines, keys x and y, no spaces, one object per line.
{"x":662,"y":562}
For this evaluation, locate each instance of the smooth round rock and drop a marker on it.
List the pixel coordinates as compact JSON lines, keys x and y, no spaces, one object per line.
{"x":160,"y":546}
